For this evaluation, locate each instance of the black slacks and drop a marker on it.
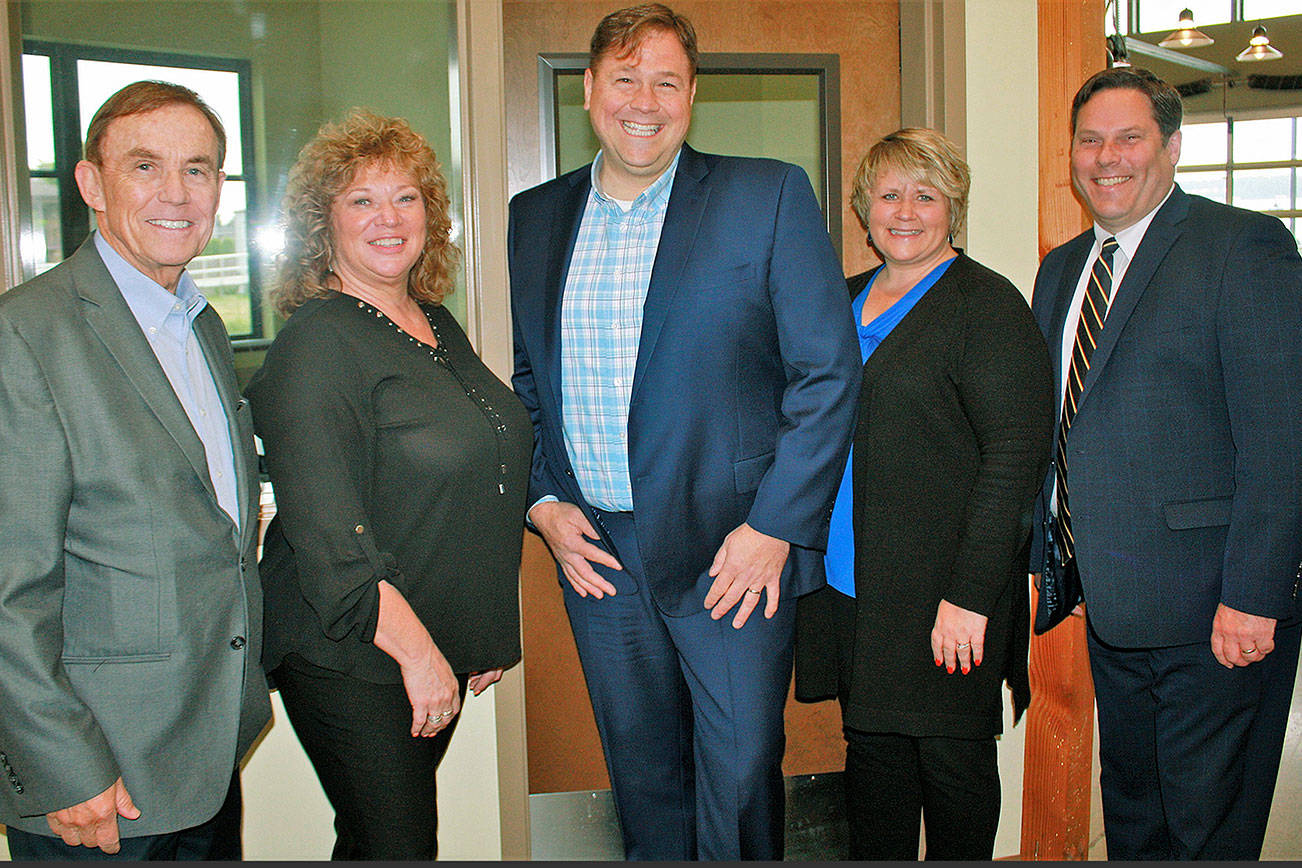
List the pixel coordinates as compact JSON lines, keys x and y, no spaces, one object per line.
{"x":379,"y":779}
{"x":893,"y":781}
{"x":1188,"y":749}
{"x":217,"y":840}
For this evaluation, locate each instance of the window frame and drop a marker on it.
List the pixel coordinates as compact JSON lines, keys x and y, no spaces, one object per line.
{"x":74,"y":216}
{"x":1229,"y":167}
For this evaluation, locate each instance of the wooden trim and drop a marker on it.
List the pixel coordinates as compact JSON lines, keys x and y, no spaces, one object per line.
{"x":13,"y":151}
{"x":1058,"y":773}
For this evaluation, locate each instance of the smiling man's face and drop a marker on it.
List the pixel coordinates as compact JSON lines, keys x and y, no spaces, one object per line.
{"x":155,"y":189}
{"x":1119,"y":163}
{"x":640,"y":105}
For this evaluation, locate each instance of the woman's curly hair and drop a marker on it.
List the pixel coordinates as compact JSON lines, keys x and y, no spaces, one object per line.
{"x":324,"y":169}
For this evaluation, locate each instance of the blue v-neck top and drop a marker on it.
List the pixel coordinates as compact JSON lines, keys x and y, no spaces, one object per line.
{"x":839,"y":560}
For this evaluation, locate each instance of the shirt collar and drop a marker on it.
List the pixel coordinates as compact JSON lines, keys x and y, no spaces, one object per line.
{"x":1128,"y":239}
{"x":653,"y":194}
{"x":150,"y":303}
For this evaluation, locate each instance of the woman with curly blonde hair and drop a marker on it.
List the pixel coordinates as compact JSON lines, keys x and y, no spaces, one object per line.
{"x":399,"y":463}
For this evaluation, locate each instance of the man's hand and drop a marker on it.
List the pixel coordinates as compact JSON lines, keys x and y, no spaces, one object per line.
{"x":567,"y":530}
{"x":748,"y":563}
{"x":1240,"y":639}
{"x":94,"y":822}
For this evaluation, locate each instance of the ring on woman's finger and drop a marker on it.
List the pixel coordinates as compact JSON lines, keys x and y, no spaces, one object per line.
{"x":963,"y":645}
{"x":1252,"y":650}
{"x":752,"y":591}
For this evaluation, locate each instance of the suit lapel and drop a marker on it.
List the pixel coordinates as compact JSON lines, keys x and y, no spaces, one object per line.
{"x":107,"y":314}
{"x":216,"y":348}
{"x":1160,"y":235}
{"x":687,"y":203}
{"x":1073,"y":264}
{"x":567,"y":217}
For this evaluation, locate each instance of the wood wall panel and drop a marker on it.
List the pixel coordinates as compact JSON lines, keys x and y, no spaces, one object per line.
{"x":563,"y":750}
{"x":1058,"y":773}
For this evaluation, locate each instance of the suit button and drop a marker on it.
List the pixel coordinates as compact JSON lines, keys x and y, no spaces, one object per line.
{"x":569,"y":473}
{"x":244,"y":564}
{"x":238,"y":642}
{"x":18,"y":788}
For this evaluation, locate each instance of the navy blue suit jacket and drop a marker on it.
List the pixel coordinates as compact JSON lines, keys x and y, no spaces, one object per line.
{"x":1185,"y":456}
{"x":744,"y":390}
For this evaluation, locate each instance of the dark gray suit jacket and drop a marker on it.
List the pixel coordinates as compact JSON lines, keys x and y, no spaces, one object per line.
{"x":1185,"y":456}
{"x":130,"y":608}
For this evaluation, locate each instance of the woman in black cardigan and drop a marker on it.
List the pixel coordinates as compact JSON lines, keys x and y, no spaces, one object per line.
{"x":927,"y":610}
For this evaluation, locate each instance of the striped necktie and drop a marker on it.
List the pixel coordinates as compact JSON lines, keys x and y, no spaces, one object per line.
{"x":1093,"y":310}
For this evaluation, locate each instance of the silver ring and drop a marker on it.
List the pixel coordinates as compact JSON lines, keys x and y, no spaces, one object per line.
{"x":962,"y":644}
{"x":751,"y":591}
{"x":1252,"y":650}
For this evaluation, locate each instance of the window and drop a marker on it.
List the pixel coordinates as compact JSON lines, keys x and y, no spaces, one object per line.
{"x":63,"y":85}
{"x":1252,"y":163}
{"x":1153,"y":16}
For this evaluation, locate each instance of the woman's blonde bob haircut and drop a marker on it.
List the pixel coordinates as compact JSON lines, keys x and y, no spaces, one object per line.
{"x":324,"y":169}
{"x":922,"y":156}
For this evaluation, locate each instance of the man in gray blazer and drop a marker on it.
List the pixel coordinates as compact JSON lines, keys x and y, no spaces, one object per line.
{"x":130,"y":609}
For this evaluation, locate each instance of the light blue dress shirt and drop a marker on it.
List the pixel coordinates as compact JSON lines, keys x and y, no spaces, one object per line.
{"x":839,"y":560}
{"x":167,"y":321}
{"x":601,"y":325}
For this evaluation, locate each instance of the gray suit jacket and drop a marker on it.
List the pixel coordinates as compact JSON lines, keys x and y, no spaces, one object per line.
{"x":130,"y":608}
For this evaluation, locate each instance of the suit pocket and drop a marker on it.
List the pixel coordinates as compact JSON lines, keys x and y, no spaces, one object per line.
{"x":1208,"y":512}
{"x":111,"y":613}
{"x":748,"y":472}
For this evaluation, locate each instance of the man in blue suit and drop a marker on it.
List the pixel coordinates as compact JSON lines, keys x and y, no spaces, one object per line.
{"x":1176,"y":491}
{"x":684,"y":347}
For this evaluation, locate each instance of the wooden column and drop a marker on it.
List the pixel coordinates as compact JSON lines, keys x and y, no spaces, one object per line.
{"x":1060,"y":722}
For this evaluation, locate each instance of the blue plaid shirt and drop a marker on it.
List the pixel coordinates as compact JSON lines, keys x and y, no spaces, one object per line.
{"x":601,"y":324}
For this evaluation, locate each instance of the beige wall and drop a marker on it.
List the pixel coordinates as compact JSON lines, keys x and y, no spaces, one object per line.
{"x":1002,"y":151}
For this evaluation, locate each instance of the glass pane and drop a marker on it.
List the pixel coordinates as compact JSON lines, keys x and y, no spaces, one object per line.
{"x":1164,"y":15}
{"x":766,"y":114}
{"x":1209,"y":184}
{"x":1263,"y":189}
{"x":222,"y":270}
{"x":47,"y":234}
{"x":37,"y":111}
{"x":1253,"y":9}
{"x":97,"y":80}
{"x":1263,"y":140}
{"x":312,"y":61}
{"x":1203,"y":144}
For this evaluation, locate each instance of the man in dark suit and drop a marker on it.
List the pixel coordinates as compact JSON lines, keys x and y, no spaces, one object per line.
{"x":1176,"y":491}
{"x":684,"y":348}
{"x":130,"y":610}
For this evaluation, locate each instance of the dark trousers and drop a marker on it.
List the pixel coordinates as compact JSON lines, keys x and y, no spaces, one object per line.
{"x":217,"y":840}
{"x":379,"y":779}
{"x":893,"y":782}
{"x":690,"y":716}
{"x":1188,"y":749}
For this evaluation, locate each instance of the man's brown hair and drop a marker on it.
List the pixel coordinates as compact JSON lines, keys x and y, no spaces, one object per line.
{"x":147,"y":96}
{"x":621,"y":32}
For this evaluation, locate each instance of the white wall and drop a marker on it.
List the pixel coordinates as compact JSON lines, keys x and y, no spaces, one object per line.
{"x":1003,"y":229}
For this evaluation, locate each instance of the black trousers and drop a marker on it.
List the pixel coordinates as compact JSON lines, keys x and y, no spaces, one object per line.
{"x":379,"y":779}
{"x":217,"y":840}
{"x":1188,"y":749}
{"x":893,"y":781}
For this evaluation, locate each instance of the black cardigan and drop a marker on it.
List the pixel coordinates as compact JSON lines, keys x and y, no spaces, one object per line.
{"x":952,"y":441}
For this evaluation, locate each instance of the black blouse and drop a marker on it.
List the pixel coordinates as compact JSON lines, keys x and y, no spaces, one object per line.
{"x":390,"y":460}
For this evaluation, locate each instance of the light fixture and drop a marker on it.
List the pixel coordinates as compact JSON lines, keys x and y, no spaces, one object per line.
{"x":1117,"y":54}
{"x":1259,"y":47}
{"x":1186,"y":35}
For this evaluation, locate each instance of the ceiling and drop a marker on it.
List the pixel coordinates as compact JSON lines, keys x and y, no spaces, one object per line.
{"x":1285,"y":34}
